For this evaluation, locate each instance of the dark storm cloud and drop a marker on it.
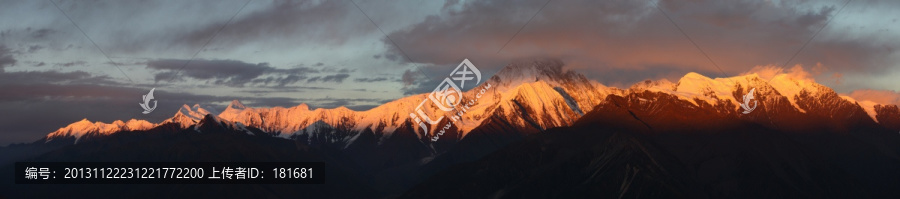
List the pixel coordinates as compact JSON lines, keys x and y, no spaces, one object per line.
{"x":625,"y":35}
{"x":231,"y":73}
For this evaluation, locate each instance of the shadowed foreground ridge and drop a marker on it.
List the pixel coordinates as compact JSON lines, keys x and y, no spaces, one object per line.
{"x":618,"y":153}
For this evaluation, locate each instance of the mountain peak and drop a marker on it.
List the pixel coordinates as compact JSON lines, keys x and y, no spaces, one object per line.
{"x":134,"y":124}
{"x":118,"y":123}
{"x":185,"y":109}
{"x":235,"y":104}
{"x":303,"y":106}
{"x":233,"y":109}
{"x":533,"y":70}
{"x":83,"y":121}
{"x":694,"y":75}
{"x":208,"y":119}
{"x":188,"y":115}
{"x":196,"y":112}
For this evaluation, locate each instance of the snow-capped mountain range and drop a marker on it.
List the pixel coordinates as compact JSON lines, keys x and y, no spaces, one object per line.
{"x":532,"y":96}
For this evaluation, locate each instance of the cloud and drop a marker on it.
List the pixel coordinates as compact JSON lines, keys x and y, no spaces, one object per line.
{"x":72,"y":63}
{"x":283,"y":22}
{"x":53,"y":77}
{"x":279,"y":81}
{"x":42,"y":33}
{"x":634,"y":37}
{"x":824,"y":75}
{"x":231,"y":73}
{"x":408,"y":78}
{"x":283,"y":89}
{"x":314,"y":79}
{"x":290,"y":79}
{"x":369,"y":80}
{"x":34,"y":48}
{"x":769,"y":71}
{"x":131,"y":27}
{"x":336,"y":78}
{"x":6,"y":58}
{"x":877,"y":96}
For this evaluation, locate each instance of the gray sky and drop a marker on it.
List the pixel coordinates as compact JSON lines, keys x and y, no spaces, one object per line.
{"x":329,"y":54}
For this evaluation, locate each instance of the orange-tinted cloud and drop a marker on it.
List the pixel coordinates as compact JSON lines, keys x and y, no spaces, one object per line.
{"x":877,"y":96}
{"x":769,"y":71}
